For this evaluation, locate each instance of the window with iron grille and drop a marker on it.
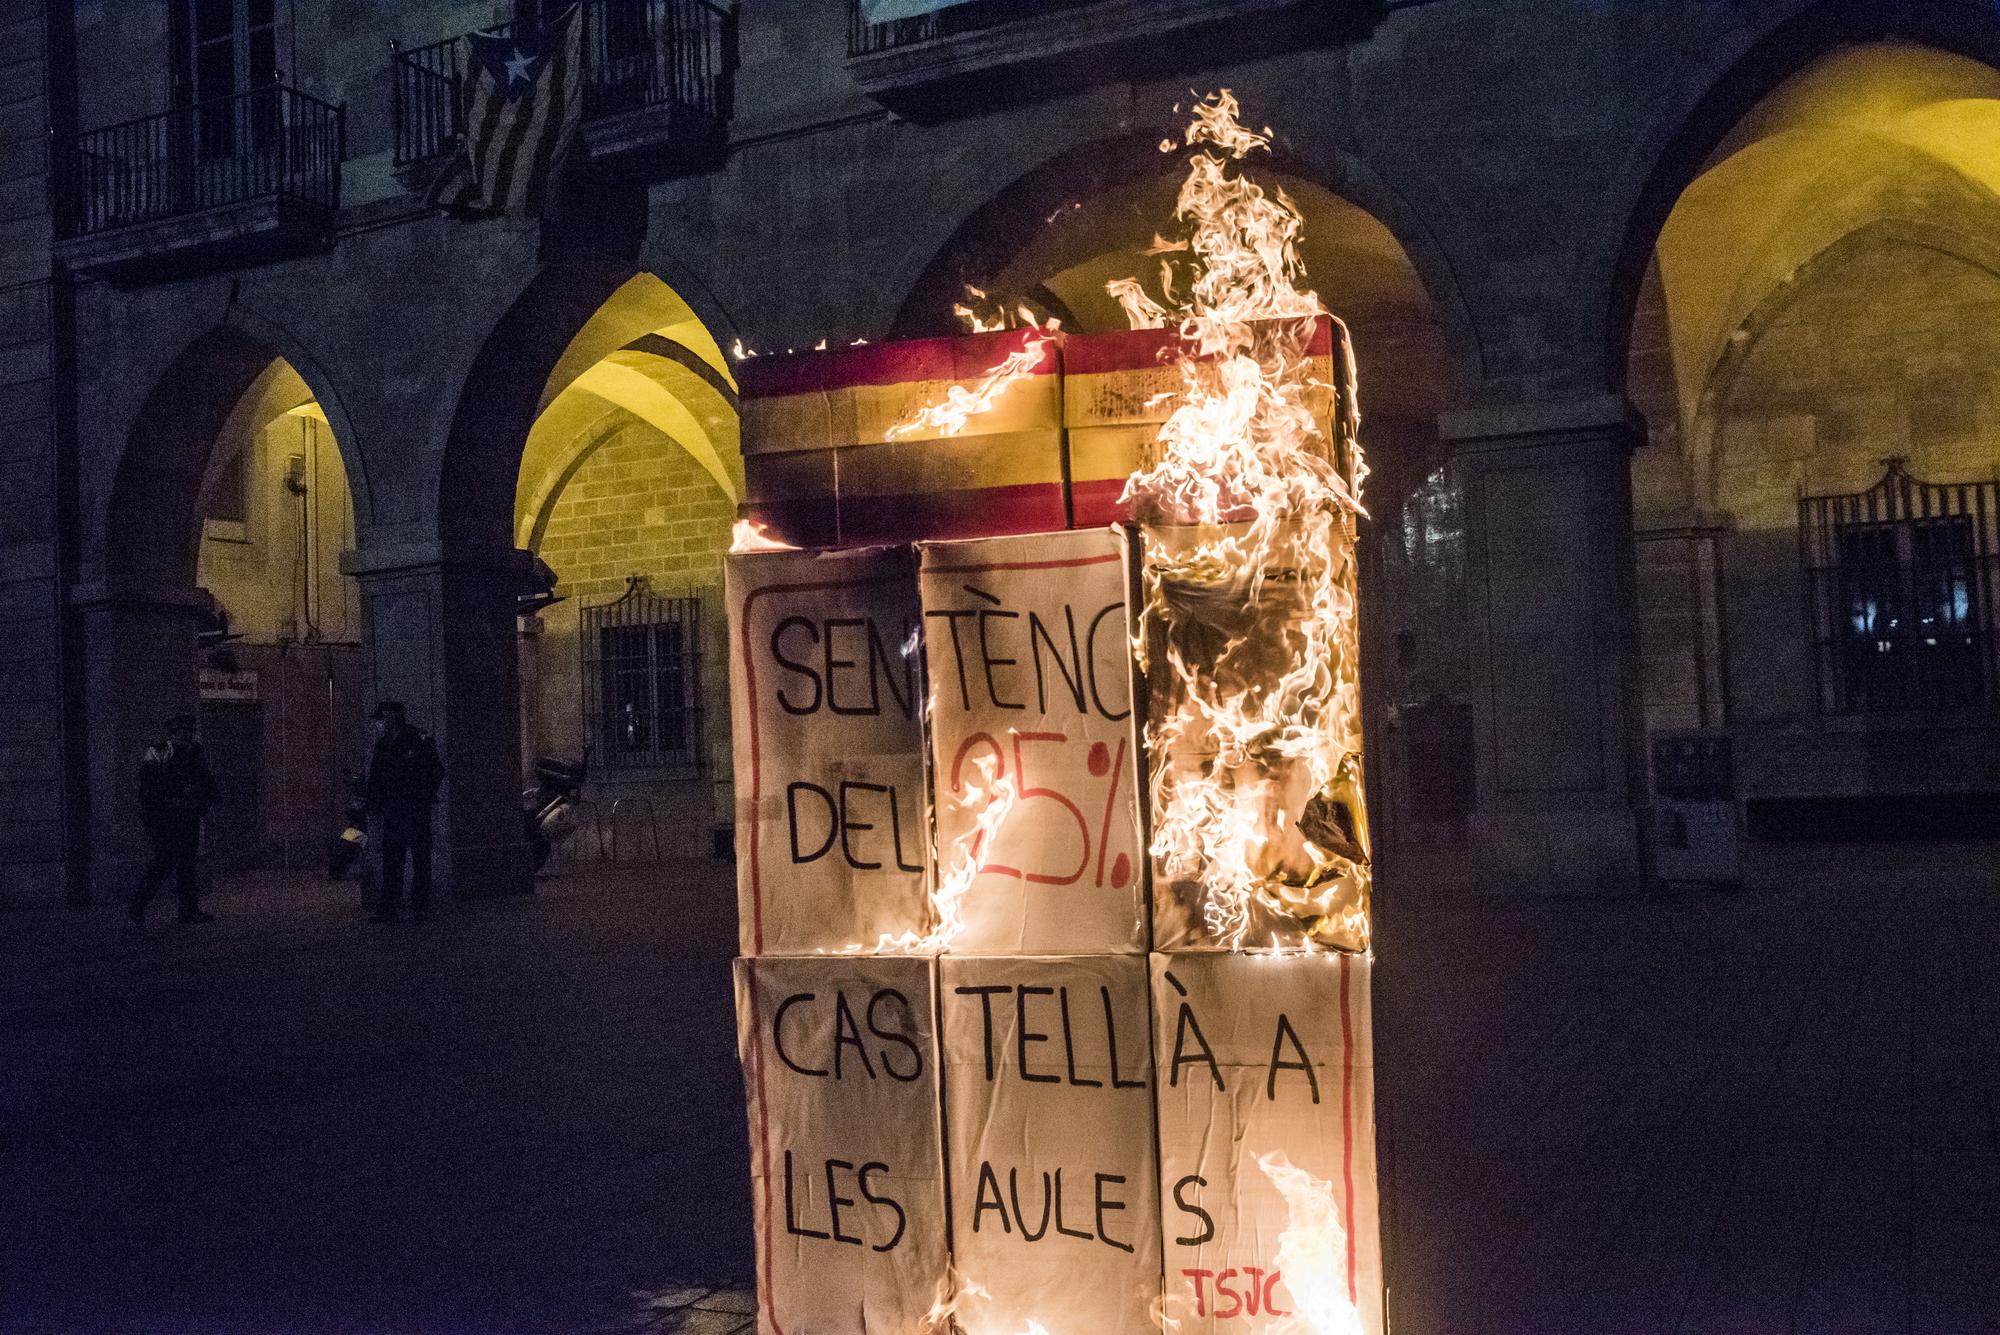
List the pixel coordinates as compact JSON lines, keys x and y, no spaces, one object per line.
{"x":642,"y":680}
{"x":1904,"y":581}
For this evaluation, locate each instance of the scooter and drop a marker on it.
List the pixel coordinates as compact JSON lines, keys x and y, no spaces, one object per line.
{"x":345,"y":849}
{"x":548,"y":810}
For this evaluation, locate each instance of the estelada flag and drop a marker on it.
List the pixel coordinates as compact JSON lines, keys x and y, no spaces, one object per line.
{"x":523,"y":100}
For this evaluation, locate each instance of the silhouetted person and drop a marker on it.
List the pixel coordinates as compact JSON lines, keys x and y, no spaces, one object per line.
{"x":403,"y":777}
{"x":175,"y":789}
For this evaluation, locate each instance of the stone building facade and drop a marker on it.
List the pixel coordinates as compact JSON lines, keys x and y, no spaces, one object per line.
{"x":1636,"y":290}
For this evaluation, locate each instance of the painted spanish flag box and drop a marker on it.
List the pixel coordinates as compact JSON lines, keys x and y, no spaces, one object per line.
{"x":899,"y":442}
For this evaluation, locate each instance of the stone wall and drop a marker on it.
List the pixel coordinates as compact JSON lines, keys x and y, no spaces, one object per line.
{"x":34,"y":502}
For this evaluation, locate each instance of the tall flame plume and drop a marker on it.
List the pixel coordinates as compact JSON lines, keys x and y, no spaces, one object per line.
{"x":1250,"y":509}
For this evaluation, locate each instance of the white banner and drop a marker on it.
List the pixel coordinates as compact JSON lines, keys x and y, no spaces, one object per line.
{"x":1025,"y":643}
{"x":840,"y":1066}
{"x":1267,"y":1143}
{"x":1049,"y":1123}
{"x":826,"y":716}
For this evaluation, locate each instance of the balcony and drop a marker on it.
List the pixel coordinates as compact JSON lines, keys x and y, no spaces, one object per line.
{"x":980,"y":52}
{"x":232,"y":181}
{"x":658,"y":86}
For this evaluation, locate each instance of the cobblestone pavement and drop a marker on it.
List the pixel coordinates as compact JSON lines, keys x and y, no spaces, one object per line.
{"x":1765,"y":1112}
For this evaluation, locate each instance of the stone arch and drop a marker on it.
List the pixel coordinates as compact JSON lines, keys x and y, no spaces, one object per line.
{"x":567,"y":319}
{"x":591,"y":351}
{"x":1705,"y":109}
{"x":1106,"y":198}
{"x":138,"y":603}
{"x":144,"y":531}
{"x":1010,"y":220}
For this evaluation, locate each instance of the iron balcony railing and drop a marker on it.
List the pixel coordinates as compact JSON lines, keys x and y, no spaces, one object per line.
{"x":636,"y":54}
{"x":271,"y":142}
{"x":865,"y":38}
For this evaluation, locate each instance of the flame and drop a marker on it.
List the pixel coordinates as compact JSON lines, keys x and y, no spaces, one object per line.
{"x":1311,"y":1253}
{"x":992,"y":793}
{"x":747,"y":535}
{"x":1249,"y":581}
{"x":961,"y":405}
{"x":741,"y":353}
{"x":1141,"y":311}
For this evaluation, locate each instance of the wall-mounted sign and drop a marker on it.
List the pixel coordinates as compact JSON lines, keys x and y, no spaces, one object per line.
{"x":232,"y":687}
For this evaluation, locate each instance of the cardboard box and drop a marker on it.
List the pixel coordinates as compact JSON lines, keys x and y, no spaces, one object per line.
{"x":840,"y":1067}
{"x":1267,"y":1058}
{"x":1049,"y":1132}
{"x":825,"y":463}
{"x":1027,"y":654}
{"x":826,"y":716}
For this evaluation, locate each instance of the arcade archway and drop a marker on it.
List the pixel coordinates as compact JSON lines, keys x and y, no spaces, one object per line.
{"x":627,"y":490}
{"x":220,"y":592}
{"x":1813,"y":351}
{"x":593,"y":452}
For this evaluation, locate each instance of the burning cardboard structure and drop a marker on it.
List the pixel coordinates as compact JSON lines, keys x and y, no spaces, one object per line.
{"x":1054,"y":863}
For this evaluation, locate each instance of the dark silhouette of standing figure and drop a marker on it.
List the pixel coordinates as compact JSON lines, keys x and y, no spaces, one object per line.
{"x":404,"y":773}
{"x":175,"y":789}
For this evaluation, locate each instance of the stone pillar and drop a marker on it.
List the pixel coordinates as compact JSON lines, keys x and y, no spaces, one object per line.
{"x":440,"y":636}
{"x":139,"y":669}
{"x":1553,"y":625}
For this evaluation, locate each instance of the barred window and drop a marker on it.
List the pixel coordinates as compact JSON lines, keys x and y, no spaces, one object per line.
{"x":1904,"y":581}
{"x":642,"y":679}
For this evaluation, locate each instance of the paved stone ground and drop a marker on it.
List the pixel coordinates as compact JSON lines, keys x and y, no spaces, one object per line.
{"x":1765,"y":1112}
{"x":514,"y":1117}
{"x":1773,"y":1111}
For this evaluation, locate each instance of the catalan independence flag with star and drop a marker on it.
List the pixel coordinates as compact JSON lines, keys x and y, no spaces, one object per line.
{"x":523,"y":101}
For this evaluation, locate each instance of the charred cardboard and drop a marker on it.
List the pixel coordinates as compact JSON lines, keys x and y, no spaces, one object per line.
{"x":1263,"y":1055}
{"x":1026,"y":651}
{"x":1119,"y":387}
{"x":1289,"y":911}
{"x":1049,"y":1131}
{"x":840,"y":1066}
{"x":826,"y":716}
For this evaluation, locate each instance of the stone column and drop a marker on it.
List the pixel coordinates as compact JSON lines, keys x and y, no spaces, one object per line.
{"x":139,"y":669}
{"x":439,"y":631}
{"x":1554,"y":630}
